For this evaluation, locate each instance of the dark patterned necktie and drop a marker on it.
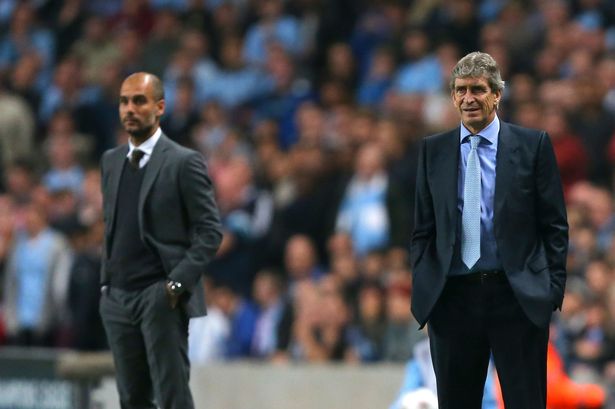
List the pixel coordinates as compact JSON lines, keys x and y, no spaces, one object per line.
{"x":135,"y":158}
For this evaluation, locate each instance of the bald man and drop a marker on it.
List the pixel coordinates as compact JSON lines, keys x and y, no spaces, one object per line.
{"x":161,"y":230}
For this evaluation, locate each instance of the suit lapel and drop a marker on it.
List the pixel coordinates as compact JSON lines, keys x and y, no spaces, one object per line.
{"x":116,"y":166}
{"x":506,"y":163}
{"x":151,"y":171}
{"x":445,"y":173}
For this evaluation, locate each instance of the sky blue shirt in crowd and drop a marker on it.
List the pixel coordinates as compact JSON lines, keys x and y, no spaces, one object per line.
{"x":487,"y":151}
{"x":32,"y":261}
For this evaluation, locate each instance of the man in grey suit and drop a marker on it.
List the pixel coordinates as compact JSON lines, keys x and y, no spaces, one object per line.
{"x":161,"y":230}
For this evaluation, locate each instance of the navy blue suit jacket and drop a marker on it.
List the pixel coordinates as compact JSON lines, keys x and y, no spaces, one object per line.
{"x":530,"y":222}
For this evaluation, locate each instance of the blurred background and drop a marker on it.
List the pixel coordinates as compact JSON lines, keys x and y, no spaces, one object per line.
{"x":309,"y":114}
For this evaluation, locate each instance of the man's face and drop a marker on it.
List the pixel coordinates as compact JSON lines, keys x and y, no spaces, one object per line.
{"x":140,"y":112}
{"x":475,"y":101}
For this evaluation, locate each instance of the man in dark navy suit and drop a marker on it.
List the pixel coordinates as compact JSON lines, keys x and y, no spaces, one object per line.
{"x":489,"y":246}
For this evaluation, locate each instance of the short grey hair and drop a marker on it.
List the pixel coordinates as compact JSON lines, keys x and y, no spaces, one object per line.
{"x":477,"y":65}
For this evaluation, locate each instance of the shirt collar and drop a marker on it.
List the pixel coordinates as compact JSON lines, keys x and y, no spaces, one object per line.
{"x":146,"y":147}
{"x":490,"y":132}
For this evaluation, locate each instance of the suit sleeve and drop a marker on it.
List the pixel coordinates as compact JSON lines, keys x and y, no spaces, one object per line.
{"x":104,"y":280}
{"x":424,"y":218}
{"x":551,"y":217}
{"x":203,"y":218}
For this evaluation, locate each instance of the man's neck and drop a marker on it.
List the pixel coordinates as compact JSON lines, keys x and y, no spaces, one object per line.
{"x":138,"y":140}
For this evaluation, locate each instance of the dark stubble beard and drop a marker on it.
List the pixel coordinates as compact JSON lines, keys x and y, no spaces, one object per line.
{"x":141,"y":134}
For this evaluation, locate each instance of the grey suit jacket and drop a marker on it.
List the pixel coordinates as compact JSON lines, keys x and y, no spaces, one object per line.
{"x":530,"y":224}
{"x":178,"y":216}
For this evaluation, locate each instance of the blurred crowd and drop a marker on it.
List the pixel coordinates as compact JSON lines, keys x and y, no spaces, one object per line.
{"x":309,"y":114}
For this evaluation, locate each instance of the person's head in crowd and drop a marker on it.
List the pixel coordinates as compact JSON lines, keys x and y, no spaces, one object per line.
{"x":583,"y":246}
{"x":281,"y":68}
{"x":447,"y":53}
{"x":415,"y":44}
{"x":547,"y":64}
{"x":373,"y":265}
{"x":580,"y":63}
{"x":555,"y":13}
{"x":110,"y":79}
{"x":476,"y":88}
{"x":35,"y":218}
{"x":370,"y":162}
{"x":265,"y":138}
{"x":195,"y":43}
{"x":21,"y":177}
{"x":306,"y":302}
{"x":25,"y":72}
{"x":7,"y":221}
{"x":308,"y":161}
{"x":61,"y":152}
{"x":363,"y":127}
{"x":590,"y":37}
{"x":95,"y":30}
{"x":300,"y":258}
{"x":606,"y":71}
{"x":41,"y":196}
{"x":600,"y":207}
{"x":595,"y":315}
{"x":398,"y":303}
{"x":500,"y":54}
{"x":225,"y":299}
{"x":76,"y":232}
{"x":340,"y":243}
{"x":333,"y":92}
{"x":522,"y":88}
{"x":388,"y":136}
{"x":141,"y":105}
{"x":344,"y":267}
{"x":67,"y":76}
{"x":226,"y":18}
{"x":555,"y":122}
{"x":231,"y":57}
{"x":528,"y":114}
{"x":341,"y":65}
{"x":63,"y":205}
{"x":269,"y":10}
{"x":61,"y":123}
{"x":232,"y":180}
{"x":397,"y":259}
{"x":598,"y":275}
{"x":184,"y":97}
{"x":166,"y":24}
{"x":268,"y":288}
{"x":335,"y":311}
{"x":492,"y":34}
{"x":371,"y":302}
{"x":382,"y":63}
{"x":64,"y":146}
{"x":181,"y":64}
{"x":575,"y":299}
{"x":610,"y":308}
{"x":90,"y":206}
{"x":310,"y":122}
{"x":131,"y":47}
{"x":23,"y":19}
{"x":589,"y":94}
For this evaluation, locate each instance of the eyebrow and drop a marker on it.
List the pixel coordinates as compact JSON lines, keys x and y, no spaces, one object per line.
{"x":133,"y":97}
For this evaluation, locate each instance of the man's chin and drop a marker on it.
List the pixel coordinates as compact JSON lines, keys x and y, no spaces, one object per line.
{"x":138,"y":133}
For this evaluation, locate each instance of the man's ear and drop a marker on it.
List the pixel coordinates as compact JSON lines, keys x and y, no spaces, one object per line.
{"x":160,"y":105}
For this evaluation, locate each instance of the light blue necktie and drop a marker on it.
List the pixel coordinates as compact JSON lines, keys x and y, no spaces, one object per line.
{"x":470,"y":218}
